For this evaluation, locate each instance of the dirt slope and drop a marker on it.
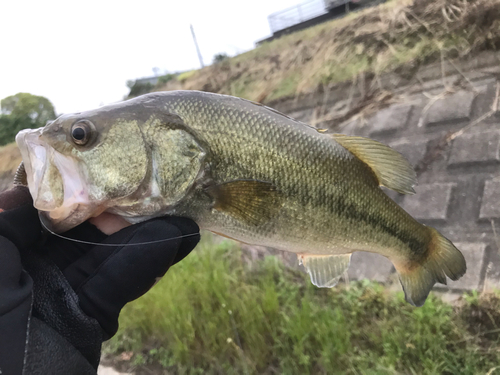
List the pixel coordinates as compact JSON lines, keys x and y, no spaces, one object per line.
{"x":399,"y":35}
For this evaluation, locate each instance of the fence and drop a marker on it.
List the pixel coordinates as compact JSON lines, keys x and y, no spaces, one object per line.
{"x":296,"y":14}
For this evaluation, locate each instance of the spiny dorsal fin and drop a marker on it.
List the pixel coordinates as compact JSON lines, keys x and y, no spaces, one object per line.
{"x":325,"y":270}
{"x":251,"y":201}
{"x":391,"y":168}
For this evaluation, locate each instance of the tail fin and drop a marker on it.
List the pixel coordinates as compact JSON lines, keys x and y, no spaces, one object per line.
{"x":442,"y":259}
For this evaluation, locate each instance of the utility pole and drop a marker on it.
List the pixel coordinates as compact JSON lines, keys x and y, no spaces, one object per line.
{"x":197,"y":48}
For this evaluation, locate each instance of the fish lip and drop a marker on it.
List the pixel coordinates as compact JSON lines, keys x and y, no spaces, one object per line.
{"x":77,"y":214}
{"x":55,"y":226}
{"x":34,"y":162}
{"x":75,"y":207}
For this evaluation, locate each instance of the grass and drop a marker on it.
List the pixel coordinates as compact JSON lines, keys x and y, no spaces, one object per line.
{"x":213,"y":314}
{"x":183,"y":76}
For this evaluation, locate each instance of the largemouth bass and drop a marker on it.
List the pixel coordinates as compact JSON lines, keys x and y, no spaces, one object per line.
{"x":241,"y":170}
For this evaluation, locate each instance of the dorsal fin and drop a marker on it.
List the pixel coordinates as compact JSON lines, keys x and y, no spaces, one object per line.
{"x":390,"y":167}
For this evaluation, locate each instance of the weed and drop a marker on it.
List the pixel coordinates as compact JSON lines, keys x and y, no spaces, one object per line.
{"x":212,"y":314}
{"x":162,"y":80}
{"x":183,"y":76}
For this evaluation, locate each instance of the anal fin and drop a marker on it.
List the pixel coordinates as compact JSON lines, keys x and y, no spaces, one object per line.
{"x":325,"y":270}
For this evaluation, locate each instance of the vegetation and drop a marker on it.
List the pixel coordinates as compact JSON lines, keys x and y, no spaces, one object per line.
{"x":213,"y":314}
{"x":186,"y":75}
{"x":397,"y":36}
{"x":220,"y":57}
{"x":137,"y":88}
{"x":165,"y":78}
{"x":22,"y":111}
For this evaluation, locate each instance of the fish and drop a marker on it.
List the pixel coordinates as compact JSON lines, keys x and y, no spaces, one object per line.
{"x":241,"y":170}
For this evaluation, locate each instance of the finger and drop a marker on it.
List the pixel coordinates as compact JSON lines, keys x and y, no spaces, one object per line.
{"x":21,"y":226}
{"x":15,"y":197}
{"x":109,"y":223}
{"x":64,"y":252}
{"x":85,"y":265}
{"x":15,"y":284}
{"x":15,"y":306}
{"x":190,"y":232}
{"x":125,"y":274}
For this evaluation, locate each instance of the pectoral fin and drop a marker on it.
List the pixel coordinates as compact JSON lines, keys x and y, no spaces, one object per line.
{"x":254,"y":202}
{"x":325,"y":270}
{"x":390,"y":167}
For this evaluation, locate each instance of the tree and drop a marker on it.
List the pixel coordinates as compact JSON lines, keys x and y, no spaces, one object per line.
{"x":220,"y":57}
{"x":138,"y":88}
{"x":38,"y":108}
{"x":22,"y":111}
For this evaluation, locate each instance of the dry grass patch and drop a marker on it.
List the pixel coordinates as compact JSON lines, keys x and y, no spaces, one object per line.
{"x":10,"y":158}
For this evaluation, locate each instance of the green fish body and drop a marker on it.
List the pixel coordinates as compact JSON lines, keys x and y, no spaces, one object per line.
{"x":241,"y":170}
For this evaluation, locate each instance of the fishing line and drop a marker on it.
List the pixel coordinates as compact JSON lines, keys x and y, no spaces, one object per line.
{"x":111,"y":244}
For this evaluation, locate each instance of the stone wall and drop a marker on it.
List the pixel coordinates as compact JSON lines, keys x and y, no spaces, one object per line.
{"x":446,"y":122}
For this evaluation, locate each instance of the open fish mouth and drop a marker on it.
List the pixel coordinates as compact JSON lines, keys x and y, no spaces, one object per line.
{"x":54,"y":182}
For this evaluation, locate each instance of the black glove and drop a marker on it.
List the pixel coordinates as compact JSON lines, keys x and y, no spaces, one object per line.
{"x":60,"y":299}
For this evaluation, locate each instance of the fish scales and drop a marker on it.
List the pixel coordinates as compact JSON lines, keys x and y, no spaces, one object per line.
{"x":321,"y":180}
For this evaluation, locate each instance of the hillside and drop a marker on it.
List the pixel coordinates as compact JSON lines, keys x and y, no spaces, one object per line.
{"x":10,"y":158}
{"x":398,"y":36}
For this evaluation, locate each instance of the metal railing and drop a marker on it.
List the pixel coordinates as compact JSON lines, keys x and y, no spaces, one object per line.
{"x":296,"y":14}
{"x":330,"y":4}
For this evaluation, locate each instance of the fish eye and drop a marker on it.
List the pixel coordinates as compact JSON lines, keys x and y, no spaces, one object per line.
{"x":81,"y":132}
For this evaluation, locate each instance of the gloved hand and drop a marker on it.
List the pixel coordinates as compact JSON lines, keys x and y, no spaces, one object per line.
{"x":60,"y":299}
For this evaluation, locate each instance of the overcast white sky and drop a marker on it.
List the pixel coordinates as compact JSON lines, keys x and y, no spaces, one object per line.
{"x":80,"y":54}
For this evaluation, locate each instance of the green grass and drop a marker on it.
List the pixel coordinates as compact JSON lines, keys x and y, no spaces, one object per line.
{"x":183,"y":76}
{"x":214,"y":314}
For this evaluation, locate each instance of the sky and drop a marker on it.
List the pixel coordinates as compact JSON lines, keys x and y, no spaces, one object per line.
{"x":80,"y":54}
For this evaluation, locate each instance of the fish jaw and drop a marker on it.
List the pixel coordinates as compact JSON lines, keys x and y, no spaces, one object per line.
{"x":65,"y":218}
{"x":54,"y":182}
